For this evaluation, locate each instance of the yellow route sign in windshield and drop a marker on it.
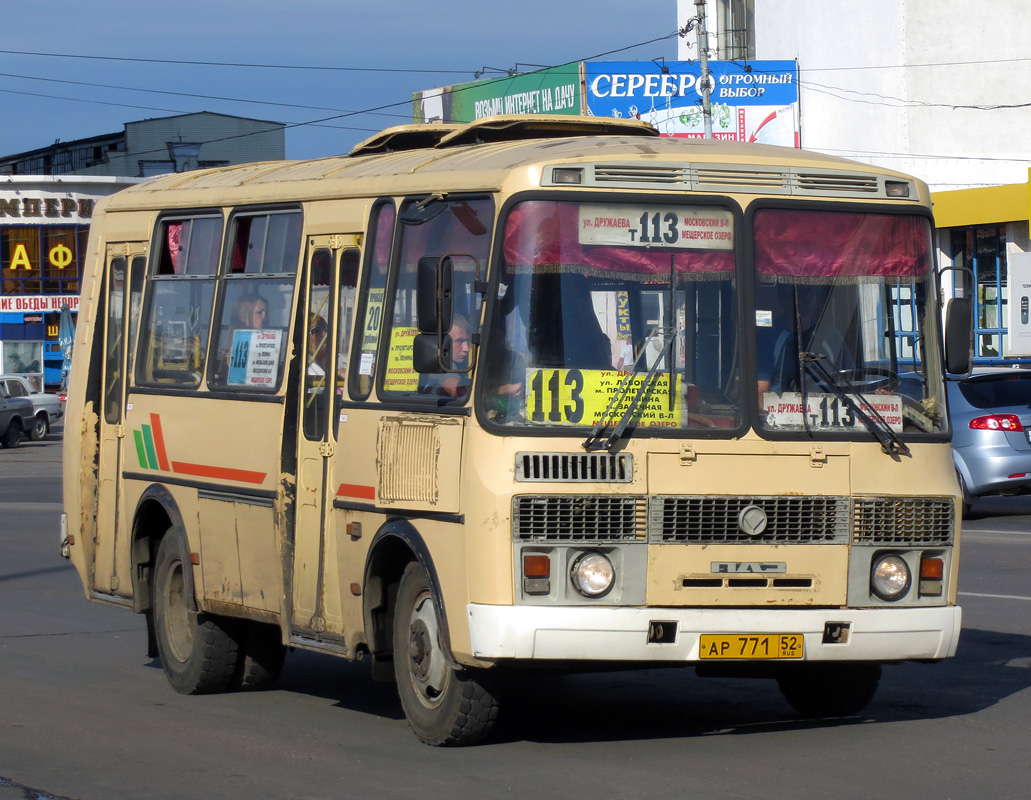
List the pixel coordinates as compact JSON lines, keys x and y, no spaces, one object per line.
{"x":581,"y":396}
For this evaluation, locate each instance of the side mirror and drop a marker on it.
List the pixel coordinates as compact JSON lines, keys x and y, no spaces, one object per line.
{"x":959,"y":323}
{"x":426,"y":357}
{"x":434,"y":294}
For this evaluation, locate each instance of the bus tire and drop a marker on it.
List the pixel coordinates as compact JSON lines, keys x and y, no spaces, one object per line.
{"x":444,"y":705}
{"x":829,"y":689}
{"x":12,"y":436}
{"x":199,"y":653}
{"x":263,"y":654}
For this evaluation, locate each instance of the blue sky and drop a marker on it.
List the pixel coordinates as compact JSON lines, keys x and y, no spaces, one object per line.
{"x":427,"y":44}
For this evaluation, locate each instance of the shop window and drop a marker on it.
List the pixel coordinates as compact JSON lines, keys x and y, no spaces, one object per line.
{"x":41,"y":258}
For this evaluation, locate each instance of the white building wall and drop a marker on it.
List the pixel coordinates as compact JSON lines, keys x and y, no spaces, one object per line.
{"x":893,"y":82}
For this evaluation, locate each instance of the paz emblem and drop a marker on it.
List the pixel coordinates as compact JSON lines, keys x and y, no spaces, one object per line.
{"x":752,"y":520}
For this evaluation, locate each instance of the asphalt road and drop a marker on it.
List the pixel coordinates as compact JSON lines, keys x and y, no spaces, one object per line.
{"x":85,"y":714}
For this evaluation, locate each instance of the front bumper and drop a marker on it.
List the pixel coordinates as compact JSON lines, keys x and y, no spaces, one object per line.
{"x":622,"y":634}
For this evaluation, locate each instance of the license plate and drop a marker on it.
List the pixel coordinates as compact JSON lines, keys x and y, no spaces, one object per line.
{"x":744,"y":645}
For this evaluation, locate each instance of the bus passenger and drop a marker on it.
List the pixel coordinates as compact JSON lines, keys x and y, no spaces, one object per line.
{"x":250,"y":312}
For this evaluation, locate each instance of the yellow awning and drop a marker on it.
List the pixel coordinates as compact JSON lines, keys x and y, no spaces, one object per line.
{"x":984,"y":206}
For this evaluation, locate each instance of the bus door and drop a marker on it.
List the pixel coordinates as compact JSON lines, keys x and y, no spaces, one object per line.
{"x":123,"y":287}
{"x":332,"y":279}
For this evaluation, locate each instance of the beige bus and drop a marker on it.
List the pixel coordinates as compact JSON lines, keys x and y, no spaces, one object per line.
{"x":529,"y":392}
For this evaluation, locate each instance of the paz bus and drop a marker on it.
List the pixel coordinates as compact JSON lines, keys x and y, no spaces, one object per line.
{"x":539,"y":392}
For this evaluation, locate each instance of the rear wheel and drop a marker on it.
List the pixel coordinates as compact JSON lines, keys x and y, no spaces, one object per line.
{"x":40,"y":428}
{"x":199,"y":652}
{"x":820,"y":690}
{"x":12,"y":436}
{"x":445,"y":705}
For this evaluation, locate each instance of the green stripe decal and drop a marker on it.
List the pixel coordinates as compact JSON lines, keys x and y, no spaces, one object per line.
{"x":141,"y":453}
{"x":148,"y":441}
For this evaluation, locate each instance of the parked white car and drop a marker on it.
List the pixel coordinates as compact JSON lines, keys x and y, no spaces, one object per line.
{"x":46,"y":407}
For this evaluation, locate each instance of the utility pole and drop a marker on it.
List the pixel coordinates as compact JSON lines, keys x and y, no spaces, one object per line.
{"x":703,"y":59}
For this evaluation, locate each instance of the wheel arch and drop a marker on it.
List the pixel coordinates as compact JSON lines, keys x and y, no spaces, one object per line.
{"x":157,"y":515}
{"x":396,"y":544}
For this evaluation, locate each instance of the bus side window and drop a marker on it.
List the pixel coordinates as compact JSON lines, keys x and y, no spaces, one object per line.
{"x":349,"y":262}
{"x":461,"y":232}
{"x":179,"y":300}
{"x":256,"y":297}
{"x":370,"y":316}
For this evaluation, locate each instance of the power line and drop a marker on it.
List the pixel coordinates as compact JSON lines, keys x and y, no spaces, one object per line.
{"x":174,"y":94}
{"x":179,"y":62}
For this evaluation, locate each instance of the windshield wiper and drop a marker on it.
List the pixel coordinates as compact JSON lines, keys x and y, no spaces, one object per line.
{"x":872,"y":419}
{"x":594,"y":441}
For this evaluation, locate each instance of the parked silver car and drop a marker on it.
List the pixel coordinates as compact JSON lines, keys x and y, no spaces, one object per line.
{"x":47,"y":408}
{"x":991,"y":433}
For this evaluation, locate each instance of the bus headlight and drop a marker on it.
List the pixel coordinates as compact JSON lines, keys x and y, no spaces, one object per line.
{"x":592,"y":574}
{"x":890,"y":577}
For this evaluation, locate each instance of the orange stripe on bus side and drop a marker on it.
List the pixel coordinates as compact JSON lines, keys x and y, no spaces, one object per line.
{"x":355,"y":490}
{"x":223,"y":473}
{"x":159,"y":442}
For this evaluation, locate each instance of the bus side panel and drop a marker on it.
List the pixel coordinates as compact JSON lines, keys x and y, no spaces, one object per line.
{"x":227,"y":471}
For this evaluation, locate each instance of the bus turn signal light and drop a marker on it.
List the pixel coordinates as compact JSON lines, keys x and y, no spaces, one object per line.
{"x":932,"y":572}
{"x":931,"y":569}
{"x":536,"y":573}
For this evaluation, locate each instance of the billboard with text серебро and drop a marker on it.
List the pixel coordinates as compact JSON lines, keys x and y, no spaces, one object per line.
{"x":754,"y":101}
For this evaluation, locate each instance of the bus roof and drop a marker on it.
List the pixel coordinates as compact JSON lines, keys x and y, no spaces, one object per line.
{"x":483,"y":155}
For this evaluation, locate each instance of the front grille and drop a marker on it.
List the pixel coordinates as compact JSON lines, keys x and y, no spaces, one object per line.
{"x":903,"y":521}
{"x":714,"y":520}
{"x":585,"y":518}
{"x":574,"y":467}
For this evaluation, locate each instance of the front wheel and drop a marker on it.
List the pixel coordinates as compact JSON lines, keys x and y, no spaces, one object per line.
{"x":829,"y":689}
{"x":445,"y":705}
{"x":200,"y":653}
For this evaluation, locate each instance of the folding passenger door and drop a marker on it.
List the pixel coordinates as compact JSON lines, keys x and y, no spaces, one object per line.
{"x":123,"y":288}
{"x":332,"y":276}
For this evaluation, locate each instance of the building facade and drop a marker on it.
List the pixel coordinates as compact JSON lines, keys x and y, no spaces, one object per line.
{"x":924,"y":87}
{"x":156,"y":147}
{"x":44,"y":227}
{"x":47,"y":198}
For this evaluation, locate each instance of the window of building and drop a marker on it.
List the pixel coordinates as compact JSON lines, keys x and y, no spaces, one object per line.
{"x":983,"y":251}
{"x":41,"y":259}
{"x":735,"y":25}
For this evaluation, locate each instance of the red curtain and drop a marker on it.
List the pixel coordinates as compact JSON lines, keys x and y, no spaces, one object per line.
{"x":796,"y":245}
{"x":543,"y":233}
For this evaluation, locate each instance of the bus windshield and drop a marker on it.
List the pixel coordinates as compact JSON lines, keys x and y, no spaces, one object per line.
{"x":845,"y":339}
{"x":616,"y":310}
{"x":626,"y":316}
